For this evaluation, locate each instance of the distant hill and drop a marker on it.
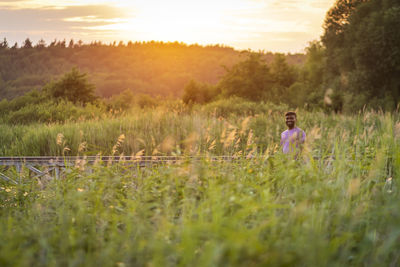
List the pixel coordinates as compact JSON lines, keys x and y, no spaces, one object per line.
{"x":154,"y":68}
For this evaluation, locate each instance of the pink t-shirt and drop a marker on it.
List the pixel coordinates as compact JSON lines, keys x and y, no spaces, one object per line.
{"x":290,"y":139}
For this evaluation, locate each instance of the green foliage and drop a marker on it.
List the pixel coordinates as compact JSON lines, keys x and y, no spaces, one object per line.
{"x":154,"y":68}
{"x":337,"y":201}
{"x":361,"y":39}
{"x":185,"y":131}
{"x":36,"y":107}
{"x":250,"y":79}
{"x":283,"y":76}
{"x":235,"y":106}
{"x":196,"y":92}
{"x":32,"y":98}
{"x":122,"y":101}
{"x":74,"y":87}
{"x":146,"y":101}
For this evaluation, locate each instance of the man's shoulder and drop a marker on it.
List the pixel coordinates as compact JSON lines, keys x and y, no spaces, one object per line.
{"x":284,"y":132}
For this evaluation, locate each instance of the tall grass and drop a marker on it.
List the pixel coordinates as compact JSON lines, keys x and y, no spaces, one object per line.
{"x":166,"y":131}
{"x":337,"y":205}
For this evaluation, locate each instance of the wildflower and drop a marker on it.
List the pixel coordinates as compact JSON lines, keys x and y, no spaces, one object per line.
{"x":245,"y":123}
{"x":80,"y":189}
{"x":139,"y":153}
{"x":82,"y":147}
{"x":249,"y":139}
{"x":119,"y":143}
{"x":60,"y":139}
{"x":228,"y":141}
{"x":212,"y":145}
{"x":251,"y":153}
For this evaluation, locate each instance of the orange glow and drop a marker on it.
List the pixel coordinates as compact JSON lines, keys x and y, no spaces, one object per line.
{"x":271,"y":25}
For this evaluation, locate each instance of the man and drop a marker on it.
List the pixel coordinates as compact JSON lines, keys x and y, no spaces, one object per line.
{"x":293,"y":137}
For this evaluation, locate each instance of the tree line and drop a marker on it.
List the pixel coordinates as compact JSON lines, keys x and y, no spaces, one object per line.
{"x":356,"y":64}
{"x":153,"y":68}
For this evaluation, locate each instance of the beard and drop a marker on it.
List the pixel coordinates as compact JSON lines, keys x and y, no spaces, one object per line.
{"x":290,"y":124}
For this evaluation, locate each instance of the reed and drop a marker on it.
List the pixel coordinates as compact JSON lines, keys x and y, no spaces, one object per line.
{"x":338,"y":204}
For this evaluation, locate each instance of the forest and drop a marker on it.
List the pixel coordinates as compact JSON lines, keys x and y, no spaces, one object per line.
{"x":354,"y":65}
{"x":153,"y":68}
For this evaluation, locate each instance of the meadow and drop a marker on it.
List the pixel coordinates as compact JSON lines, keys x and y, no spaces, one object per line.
{"x":336,"y":205}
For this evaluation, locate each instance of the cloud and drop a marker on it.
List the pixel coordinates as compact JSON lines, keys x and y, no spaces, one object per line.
{"x":58,"y":19}
{"x":299,"y":4}
{"x":275,"y":41}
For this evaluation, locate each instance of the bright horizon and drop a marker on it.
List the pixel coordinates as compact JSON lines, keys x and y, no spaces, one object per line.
{"x":269,"y":25}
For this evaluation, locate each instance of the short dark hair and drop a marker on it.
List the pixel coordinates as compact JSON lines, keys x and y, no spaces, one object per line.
{"x":291,"y":113}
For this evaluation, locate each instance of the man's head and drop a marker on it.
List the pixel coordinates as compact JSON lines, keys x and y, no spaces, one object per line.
{"x":290,"y":118}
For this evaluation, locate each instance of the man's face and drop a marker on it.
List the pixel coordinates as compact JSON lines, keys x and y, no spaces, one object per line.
{"x":290,"y":121}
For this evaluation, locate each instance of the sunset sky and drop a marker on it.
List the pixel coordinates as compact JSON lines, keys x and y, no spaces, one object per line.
{"x":269,"y":25}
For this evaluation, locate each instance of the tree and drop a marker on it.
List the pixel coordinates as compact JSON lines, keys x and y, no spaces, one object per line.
{"x":249,"y":79}
{"x":283,"y":76}
{"x":282,"y":73}
{"x":4,"y":44}
{"x":27,"y":43}
{"x":363,"y":54}
{"x":71,"y":43}
{"x":308,"y":90}
{"x":41,"y":44}
{"x":196,"y":92}
{"x":73,"y":86}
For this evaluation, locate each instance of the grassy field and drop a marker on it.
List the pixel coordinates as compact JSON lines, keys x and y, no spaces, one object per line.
{"x":337,"y":205}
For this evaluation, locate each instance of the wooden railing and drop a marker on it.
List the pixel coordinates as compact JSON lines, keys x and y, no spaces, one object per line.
{"x":54,"y":166}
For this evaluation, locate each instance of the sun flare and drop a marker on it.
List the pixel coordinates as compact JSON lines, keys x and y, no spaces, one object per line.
{"x":186,"y":21}
{"x":273,"y":25}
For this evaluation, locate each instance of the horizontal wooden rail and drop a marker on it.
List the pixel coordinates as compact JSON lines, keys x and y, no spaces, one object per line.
{"x":53,"y":166}
{"x":72,"y":160}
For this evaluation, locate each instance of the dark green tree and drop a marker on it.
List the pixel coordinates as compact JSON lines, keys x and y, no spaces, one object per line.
{"x":74,"y":87}
{"x":41,"y":44}
{"x":197,"y":92}
{"x":249,"y":79}
{"x":309,"y":89}
{"x":283,"y":76}
{"x":362,"y":40}
{"x":4,"y":44}
{"x":27,"y":43}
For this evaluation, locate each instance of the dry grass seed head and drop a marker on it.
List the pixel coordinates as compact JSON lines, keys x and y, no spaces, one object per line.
{"x":60,"y":139}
